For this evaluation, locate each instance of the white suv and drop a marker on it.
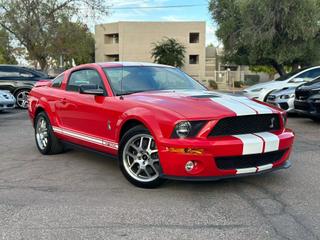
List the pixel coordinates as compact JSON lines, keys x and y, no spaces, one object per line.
{"x":261,"y":91}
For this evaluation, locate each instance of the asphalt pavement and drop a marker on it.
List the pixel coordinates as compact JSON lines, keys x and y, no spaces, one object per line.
{"x":79,"y":195}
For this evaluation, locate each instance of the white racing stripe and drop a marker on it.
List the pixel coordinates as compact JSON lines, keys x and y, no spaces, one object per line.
{"x":254,"y":169}
{"x":260,"y":108}
{"x":87,"y":138}
{"x":235,"y":106}
{"x":271,"y":140}
{"x":246,"y":170}
{"x":251,"y":144}
{"x":264,"y":167}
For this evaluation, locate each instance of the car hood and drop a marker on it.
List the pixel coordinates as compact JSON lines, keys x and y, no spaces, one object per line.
{"x":272,"y":85}
{"x":284,"y":91}
{"x":310,"y":86}
{"x":267,"y":85}
{"x":201,"y":104}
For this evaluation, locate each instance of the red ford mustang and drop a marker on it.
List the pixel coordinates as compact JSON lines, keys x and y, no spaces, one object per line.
{"x":159,"y":122}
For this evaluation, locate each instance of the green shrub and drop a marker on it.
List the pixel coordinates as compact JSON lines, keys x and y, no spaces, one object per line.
{"x":238,"y":84}
{"x":251,"y":79}
{"x":213,"y":84}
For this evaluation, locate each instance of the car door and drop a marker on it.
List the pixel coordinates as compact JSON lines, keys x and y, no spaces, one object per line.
{"x":84,"y":114}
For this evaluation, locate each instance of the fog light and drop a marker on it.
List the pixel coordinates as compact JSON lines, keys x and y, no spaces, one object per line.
{"x":189,"y":166}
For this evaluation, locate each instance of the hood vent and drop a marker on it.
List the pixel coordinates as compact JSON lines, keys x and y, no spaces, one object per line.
{"x":206,"y":96}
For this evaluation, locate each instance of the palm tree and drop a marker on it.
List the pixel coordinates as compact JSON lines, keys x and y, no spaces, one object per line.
{"x":169,"y":51}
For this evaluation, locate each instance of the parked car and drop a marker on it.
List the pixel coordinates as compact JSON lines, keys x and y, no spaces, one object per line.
{"x":262,"y":90}
{"x":283,"y":99}
{"x":7,"y":100}
{"x":159,"y":122}
{"x":19,"y":81}
{"x":307,"y":101}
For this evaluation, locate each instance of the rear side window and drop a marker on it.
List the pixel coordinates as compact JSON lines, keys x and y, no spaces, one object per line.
{"x":9,"y":72}
{"x":57,"y":81}
{"x":84,"y":77}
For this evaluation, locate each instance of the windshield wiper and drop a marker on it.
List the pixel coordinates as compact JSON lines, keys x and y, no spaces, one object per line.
{"x":128,"y":93}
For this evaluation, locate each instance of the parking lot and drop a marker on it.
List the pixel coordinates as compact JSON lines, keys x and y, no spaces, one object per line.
{"x":79,"y":195}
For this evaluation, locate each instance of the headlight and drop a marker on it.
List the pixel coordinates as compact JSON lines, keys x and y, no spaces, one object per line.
{"x":183,"y":129}
{"x":257,"y":90}
{"x":284,"y":97}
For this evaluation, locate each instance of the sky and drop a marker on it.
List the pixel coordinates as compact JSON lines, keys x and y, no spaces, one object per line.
{"x":139,"y":10}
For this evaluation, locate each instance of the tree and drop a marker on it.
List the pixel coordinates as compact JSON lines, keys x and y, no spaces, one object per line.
{"x":6,"y":50}
{"x":268,"y":32}
{"x":33,"y":22}
{"x":73,"y":41}
{"x":170,"y":52}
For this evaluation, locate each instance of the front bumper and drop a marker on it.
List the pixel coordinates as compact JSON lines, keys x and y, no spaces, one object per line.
{"x":307,"y":108}
{"x":285,"y":165}
{"x":173,"y":164}
{"x":7,"y":104}
{"x":284,"y":104}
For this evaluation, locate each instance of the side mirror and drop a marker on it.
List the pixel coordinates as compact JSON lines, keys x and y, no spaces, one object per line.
{"x":91,"y":90}
{"x":296,"y":80}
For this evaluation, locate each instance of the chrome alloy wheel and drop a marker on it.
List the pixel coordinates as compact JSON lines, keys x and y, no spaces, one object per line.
{"x":140,"y":158}
{"x":22,"y":98}
{"x":42,"y":133}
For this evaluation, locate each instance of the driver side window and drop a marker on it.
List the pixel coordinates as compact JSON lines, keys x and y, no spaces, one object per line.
{"x":86,"y":77}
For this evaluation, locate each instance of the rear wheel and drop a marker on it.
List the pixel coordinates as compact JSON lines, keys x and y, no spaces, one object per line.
{"x":22,"y":98}
{"x":46,"y":141}
{"x":139,"y":159}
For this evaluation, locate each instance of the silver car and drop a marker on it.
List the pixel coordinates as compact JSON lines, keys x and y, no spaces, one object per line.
{"x":7,"y":100}
{"x":283,"y":99}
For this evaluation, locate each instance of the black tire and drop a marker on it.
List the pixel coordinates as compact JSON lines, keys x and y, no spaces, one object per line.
{"x":128,"y":136}
{"x":315,"y":119}
{"x":21,"y":103}
{"x":53,"y":146}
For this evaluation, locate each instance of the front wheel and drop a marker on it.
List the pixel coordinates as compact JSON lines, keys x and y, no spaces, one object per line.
{"x":22,"y":98}
{"x":46,"y":141}
{"x":315,"y":119}
{"x":139,"y":159}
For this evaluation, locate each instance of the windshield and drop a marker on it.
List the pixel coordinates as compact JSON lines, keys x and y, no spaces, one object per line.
{"x":126,"y":80}
{"x":289,"y":75}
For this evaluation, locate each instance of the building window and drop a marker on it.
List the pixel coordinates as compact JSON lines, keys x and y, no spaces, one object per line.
{"x":194,"y":37}
{"x":112,"y":58}
{"x":194,"y":59}
{"x":111,"y":38}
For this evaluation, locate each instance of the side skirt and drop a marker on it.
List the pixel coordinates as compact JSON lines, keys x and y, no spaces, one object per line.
{"x":83,"y":148}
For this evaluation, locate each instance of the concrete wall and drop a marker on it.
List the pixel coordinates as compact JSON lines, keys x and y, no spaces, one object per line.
{"x":136,"y":41}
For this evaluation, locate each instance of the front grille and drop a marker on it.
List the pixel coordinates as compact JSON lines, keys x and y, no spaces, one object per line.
{"x":247,"y":161}
{"x":246,"y":124}
{"x":303,"y":95}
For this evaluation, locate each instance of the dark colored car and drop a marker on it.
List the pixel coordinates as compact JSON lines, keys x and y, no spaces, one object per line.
{"x":19,"y":81}
{"x":307,"y":100}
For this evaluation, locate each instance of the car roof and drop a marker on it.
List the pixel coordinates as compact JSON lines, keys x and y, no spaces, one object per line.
{"x":131,"y":64}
